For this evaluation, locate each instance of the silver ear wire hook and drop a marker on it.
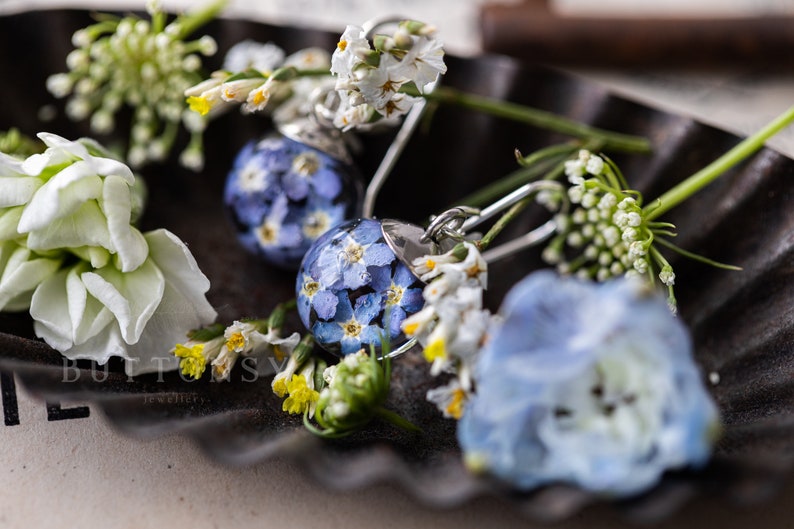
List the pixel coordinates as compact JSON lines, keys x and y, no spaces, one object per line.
{"x":456,"y":222}
{"x":392,"y":155}
{"x":409,"y":124}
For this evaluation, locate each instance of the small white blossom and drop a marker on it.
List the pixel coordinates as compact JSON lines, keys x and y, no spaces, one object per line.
{"x":595,"y":165}
{"x":449,"y":399}
{"x":575,"y":170}
{"x":667,"y":276}
{"x":248,"y":54}
{"x":348,"y":50}
{"x":424,"y":62}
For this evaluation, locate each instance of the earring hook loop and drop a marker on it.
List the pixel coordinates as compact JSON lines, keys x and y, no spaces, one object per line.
{"x":456,"y":222}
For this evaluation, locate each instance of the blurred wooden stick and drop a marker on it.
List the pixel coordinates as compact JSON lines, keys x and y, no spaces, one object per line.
{"x":531,"y":31}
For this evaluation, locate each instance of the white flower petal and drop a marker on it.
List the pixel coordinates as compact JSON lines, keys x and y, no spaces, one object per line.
{"x":63,"y":194}
{"x":58,"y":143}
{"x":21,"y":273}
{"x":49,"y":309}
{"x":109,"y":167}
{"x":181,"y":273}
{"x":85,"y":227}
{"x":183,"y":306}
{"x":9,"y":219}
{"x":10,"y":166}
{"x":129,"y":244}
{"x":100,"y":348}
{"x":18,"y":190}
{"x":132,"y":297}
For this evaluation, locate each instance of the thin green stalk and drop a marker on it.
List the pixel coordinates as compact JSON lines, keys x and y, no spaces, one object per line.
{"x":503,"y":221}
{"x":191,"y":21}
{"x":512,"y":213}
{"x":705,"y":176}
{"x":396,"y":419}
{"x":506,"y":184}
{"x":533,"y":116}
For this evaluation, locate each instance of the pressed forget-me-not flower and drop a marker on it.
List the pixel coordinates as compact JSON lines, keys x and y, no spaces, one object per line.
{"x":351,"y":326}
{"x":587,"y":383}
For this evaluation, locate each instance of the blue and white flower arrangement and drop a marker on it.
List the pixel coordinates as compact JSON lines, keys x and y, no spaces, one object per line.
{"x":584,"y":376}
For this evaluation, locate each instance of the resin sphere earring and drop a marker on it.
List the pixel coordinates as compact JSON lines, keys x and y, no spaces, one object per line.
{"x":282,"y":194}
{"x":354,"y":290}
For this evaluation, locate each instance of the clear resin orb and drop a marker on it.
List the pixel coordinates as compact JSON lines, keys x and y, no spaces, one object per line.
{"x":282,"y":195}
{"x":352,"y":289}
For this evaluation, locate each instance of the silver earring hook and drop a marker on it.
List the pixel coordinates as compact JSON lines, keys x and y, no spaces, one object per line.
{"x":393,"y":153}
{"x":409,"y":124}
{"x":456,"y":222}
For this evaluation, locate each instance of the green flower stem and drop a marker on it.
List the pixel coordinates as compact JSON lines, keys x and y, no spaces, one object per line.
{"x":533,"y":116}
{"x":705,"y":176}
{"x":513,"y":212}
{"x":158,"y":21}
{"x":190,"y":22}
{"x":276,"y":319}
{"x":535,"y":165}
{"x":396,"y":419}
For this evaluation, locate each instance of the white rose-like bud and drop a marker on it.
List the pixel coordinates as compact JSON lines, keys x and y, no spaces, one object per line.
{"x":80,"y":199}
{"x":138,"y":315}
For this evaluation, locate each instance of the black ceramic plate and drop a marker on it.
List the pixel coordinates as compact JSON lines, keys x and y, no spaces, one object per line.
{"x":742,"y":322}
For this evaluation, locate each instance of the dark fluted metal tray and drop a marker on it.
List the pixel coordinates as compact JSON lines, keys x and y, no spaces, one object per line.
{"x":742,"y":322}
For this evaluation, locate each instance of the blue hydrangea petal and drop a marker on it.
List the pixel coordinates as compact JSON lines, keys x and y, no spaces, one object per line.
{"x":396,"y":316}
{"x":381,"y":278}
{"x":290,"y":236}
{"x":350,"y":344}
{"x":554,"y":346}
{"x":371,"y":334}
{"x":403,"y":276}
{"x":355,"y":276}
{"x":366,"y":232}
{"x":344,"y":309}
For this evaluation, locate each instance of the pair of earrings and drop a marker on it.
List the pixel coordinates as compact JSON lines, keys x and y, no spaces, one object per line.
{"x":355,"y":277}
{"x":296,"y":200}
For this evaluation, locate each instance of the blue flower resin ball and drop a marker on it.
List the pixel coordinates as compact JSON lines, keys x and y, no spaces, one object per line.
{"x":282,"y":195}
{"x":348,"y":283}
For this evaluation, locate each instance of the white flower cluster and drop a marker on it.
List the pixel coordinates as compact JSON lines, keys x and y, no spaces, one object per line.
{"x":369,"y":80}
{"x":240,"y":339}
{"x":145,"y":65}
{"x":453,"y":325}
{"x":259,"y":77}
{"x":606,"y":233}
{"x":95,"y":285}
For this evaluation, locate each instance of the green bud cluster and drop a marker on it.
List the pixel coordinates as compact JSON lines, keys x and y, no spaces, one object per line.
{"x":355,"y":388}
{"x":607,"y":234}
{"x":145,"y":65}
